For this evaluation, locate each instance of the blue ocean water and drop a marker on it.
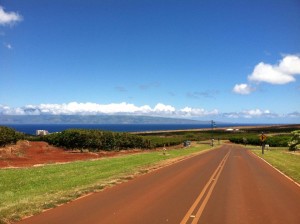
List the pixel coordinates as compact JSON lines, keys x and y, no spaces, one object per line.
{"x":31,"y":128}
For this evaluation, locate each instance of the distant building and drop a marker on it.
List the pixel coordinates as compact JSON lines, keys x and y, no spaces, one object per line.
{"x":41,"y":132}
{"x":231,"y":129}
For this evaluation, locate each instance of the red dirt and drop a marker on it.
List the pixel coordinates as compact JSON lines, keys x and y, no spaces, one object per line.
{"x":26,"y":154}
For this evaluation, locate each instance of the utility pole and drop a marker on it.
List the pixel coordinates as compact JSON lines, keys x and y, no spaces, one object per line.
{"x":213,"y":124}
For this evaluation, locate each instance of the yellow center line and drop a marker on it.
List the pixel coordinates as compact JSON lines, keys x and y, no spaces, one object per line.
{"x":209,"y":186}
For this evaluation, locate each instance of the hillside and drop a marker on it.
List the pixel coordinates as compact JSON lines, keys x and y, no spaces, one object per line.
{"x":92,"y":119}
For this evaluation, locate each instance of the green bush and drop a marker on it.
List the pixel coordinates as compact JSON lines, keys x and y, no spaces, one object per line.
{"x":96,"y":140}
{"x":273,"y":141}
{"x":278,"y":140}
{"x":294,"y":141}
{"x":9,"y":136}
{"x":156,"y":141}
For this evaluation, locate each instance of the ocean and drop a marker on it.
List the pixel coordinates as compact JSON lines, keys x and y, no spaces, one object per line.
{"x":31,"y":128}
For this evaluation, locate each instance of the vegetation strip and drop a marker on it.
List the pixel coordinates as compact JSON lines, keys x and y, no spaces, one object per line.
{"x":28,"y":191}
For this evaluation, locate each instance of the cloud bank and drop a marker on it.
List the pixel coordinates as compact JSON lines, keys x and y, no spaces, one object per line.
{"x":75,"y":108}
{"x":160,"y":109}
{"x":9,"y":18}
{"x":279,"y":74}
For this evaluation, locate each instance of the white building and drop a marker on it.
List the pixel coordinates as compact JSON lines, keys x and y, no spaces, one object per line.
{"x":41,"y":132}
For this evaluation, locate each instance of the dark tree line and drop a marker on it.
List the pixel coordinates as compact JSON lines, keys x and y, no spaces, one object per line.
{"x":96,"y":140}
{"x":273,"y":141}
{"x":93,"y":140}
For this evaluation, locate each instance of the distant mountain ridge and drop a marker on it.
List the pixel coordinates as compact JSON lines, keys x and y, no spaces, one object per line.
{"x":93,"y":119}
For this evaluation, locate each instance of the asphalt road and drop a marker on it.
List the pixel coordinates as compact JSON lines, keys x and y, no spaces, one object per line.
{"x":226,"y":185}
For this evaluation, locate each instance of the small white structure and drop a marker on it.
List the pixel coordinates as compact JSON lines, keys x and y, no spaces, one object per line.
{"x":234,"y":130}
{"x":41,"y":132}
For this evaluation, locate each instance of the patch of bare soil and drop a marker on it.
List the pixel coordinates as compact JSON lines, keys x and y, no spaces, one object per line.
{"x":26,"y":154}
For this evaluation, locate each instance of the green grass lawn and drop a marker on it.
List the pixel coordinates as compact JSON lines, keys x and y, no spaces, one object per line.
{"x":284,"y":160}
{"x":28,"y":191}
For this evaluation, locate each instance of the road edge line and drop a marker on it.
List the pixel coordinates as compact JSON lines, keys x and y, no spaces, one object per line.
{"x":286,"y":176}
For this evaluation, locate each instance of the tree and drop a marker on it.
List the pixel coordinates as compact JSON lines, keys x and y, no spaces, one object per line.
{"x":9,"y":136}
{"x":294,"y":143}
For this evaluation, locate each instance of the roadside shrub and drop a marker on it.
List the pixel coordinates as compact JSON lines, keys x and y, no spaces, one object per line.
{"x":273,"y":141}
{"x":294,"y":141}
{"x":156,"y":141}
{"x":9,"y":136}
{"x":278,"y":140}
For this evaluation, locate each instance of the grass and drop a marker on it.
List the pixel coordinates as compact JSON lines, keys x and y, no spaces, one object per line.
{"x":279,"y":157}
{"x":28,"y":191}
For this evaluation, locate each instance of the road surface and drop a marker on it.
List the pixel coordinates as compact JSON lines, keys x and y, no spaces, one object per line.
{"x":226,"y":185}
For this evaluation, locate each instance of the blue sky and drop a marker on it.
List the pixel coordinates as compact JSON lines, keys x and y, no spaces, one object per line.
{"x":235,"y":61}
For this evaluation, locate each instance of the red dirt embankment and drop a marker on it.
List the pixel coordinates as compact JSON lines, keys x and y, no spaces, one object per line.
{"x":26,"y":154}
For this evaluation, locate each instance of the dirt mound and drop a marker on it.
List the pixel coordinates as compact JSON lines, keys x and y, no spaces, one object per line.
{"x":26,"y":153}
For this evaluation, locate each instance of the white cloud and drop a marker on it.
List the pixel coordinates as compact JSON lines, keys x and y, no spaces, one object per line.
{"x":90,"y":108}
{"x":75,"y":108}
{"x":197,"y":112}
{"x":163,"y":109}
{"x":282,"y":73}
{"x":160,"y":109}
{"x":87,"y":108}
{"x":243,"y":89}
{"x":253,"y":113}
{"x":9,"y":18}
